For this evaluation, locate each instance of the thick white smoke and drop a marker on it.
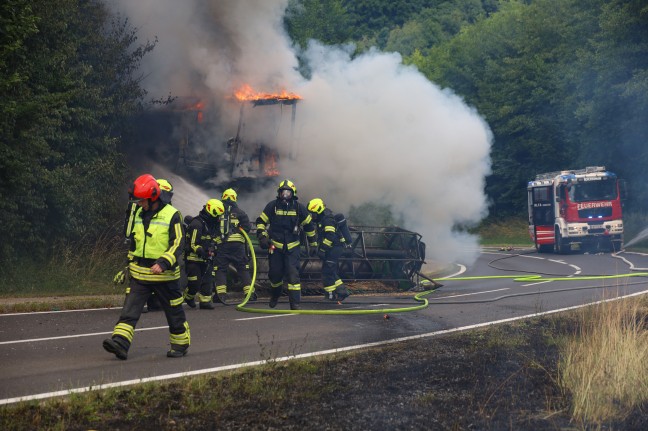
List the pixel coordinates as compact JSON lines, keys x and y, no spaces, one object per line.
{"x":368,"y":130}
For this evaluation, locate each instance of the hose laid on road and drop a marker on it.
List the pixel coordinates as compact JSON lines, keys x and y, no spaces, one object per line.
{"x":241,"y":307}
{"x":421,"y":296}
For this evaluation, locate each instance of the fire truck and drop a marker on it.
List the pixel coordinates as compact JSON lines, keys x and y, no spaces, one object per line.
{"x":576,"y":209}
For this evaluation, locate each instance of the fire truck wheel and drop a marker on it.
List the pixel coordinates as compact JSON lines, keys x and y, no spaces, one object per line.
{"x":562,"y":246}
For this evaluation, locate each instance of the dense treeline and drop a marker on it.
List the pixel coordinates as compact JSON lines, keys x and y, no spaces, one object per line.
{"x":68,"y":86}
{"x":563,"y":84}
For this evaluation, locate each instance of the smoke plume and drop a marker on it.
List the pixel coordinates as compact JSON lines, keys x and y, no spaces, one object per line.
{"x":368,"y":129}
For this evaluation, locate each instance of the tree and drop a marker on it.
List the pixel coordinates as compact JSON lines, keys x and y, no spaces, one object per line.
{"x":68,"y":88}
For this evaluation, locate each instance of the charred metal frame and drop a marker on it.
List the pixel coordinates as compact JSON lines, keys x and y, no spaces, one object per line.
{"x":388,"y":254}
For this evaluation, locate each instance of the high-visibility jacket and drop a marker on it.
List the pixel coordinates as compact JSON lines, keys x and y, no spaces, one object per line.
{"x":156,"y":238}
{"x":281,"y":221}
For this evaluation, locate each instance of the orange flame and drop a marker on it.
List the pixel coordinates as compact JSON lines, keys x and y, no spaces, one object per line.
{"x":270,"y":166}
{"x":247,"y":93}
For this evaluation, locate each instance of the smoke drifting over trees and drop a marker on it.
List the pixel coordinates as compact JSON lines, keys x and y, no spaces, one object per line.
{"x":369,"y":129}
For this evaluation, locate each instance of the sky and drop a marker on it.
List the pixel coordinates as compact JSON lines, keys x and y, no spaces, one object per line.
{"x":369,"y":129}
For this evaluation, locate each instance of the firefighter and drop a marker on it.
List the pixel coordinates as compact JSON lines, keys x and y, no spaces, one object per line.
{"x":231,"y":246}
{"x":332,"y":239}
{"x":156,"y":243}
{"x":166,"y":194}
{"x":278,"y":231}
{"x":200,"y":250}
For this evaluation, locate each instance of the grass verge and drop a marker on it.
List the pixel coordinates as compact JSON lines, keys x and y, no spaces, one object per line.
{"x":604,"y":364}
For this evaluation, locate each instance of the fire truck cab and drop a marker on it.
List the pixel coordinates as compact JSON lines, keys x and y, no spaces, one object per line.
{"x":576,"y":209}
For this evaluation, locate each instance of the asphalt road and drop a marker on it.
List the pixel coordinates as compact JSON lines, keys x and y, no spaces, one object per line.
{"x":52,"y":353}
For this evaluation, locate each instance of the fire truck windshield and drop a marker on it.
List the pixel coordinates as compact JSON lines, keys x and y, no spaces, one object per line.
{"x":593,"y":191}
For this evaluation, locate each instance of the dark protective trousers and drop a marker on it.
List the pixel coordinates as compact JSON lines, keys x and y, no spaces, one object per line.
{"x":199,"y":280}
{"x":170,"y":298}
{"x":284,"y":267}
{"x":231,"y":253}
{"x":330,"y":275}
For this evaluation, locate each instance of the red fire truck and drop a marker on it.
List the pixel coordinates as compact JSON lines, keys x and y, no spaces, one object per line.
{"x":576,"y":209}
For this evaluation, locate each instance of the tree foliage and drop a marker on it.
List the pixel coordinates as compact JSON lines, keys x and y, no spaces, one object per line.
{"x":68,"y":82}
{"x":562,"y":84}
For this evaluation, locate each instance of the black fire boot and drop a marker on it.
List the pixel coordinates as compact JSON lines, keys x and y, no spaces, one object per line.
{"x":177,"y":351}
{"x":295,"y":298}
{"x":341,"y":292}
{"x":206,"y":306}
{"x":117,"y":347}
{"x":275,"y":293}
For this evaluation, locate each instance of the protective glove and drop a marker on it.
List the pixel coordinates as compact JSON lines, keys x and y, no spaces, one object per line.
{"x":264,"y":242}
{"x":202,"y":253}
{"x":321,"y":254}
{"x":120,"y":277}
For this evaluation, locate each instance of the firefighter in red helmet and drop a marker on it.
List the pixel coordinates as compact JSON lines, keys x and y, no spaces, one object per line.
{"x":278,"y":230}
{"x":156,"y":245}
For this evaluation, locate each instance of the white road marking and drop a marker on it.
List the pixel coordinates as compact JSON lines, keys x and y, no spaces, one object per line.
{"x":34,"y":340}
{"x":291,"y":357}
{"x":59,"y":311}
{"x":533,"y":284}
{"x":470,"y":294}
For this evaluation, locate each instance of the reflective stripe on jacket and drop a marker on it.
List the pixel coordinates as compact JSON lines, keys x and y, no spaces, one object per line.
{"x":160,"y":242}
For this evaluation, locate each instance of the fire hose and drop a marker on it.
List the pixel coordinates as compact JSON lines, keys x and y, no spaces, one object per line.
{"x":420,"y":297}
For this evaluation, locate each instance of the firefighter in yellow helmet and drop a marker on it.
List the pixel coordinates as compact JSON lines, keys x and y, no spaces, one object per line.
{"x":200,"y":249}
{"x":231,"y":247}
{"x":332,"y":236}
{"x":278,"y":231}
{"x":156,"y":244}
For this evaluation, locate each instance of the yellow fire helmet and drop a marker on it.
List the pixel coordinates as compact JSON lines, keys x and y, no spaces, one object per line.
{"x":316,"y":206}
{"x":229,"y":195}
{"x":214,"y":207}
{"x":166,"y":190}
{"x":288,"y":185}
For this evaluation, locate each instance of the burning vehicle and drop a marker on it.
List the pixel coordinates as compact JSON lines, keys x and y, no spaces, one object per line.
{"x":192,"y":137}
{"x":187,"y":136}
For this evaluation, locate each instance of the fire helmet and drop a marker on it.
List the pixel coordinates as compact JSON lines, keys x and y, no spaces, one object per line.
{"x":289,"y":187}
{"x":166,"y":190}
{"x":229,"y":195}
{"x":145,"y":187}
{"x":316,"y":206}
{"x":214,"y":207}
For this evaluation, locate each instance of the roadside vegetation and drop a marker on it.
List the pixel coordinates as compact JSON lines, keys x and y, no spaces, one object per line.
{"x":561,"y":86}
{"x":604,"y":364}
{"x":582,"y":370}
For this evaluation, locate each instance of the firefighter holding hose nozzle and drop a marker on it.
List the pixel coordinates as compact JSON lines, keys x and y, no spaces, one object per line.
{"x":278,"y":230}
{"x":332,"y":236}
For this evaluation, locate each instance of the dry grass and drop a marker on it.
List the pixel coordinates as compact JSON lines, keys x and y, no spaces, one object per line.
{"x":604,"y":367}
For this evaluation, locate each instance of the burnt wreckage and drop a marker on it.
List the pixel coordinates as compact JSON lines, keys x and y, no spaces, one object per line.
{"x":385,"y":254}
